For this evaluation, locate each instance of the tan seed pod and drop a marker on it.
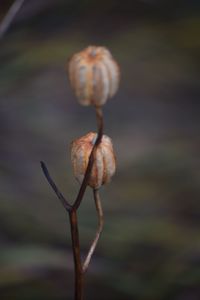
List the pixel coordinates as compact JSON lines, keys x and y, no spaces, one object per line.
{"x":94,"y":75}
{"x":104,"y":165}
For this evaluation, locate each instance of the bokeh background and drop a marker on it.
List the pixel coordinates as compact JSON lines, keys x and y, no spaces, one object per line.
{"x":150,"y":248}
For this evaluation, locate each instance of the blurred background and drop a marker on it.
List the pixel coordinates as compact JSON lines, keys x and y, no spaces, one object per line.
{"x":150,"y":247}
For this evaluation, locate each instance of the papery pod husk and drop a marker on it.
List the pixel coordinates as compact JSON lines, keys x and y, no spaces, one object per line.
{"x":94,"y":75}
{"x":104,"y":165}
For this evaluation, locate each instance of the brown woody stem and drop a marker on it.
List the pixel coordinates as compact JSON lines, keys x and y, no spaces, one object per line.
{"x":78,"y":274}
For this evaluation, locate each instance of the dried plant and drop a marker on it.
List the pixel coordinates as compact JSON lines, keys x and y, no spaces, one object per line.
{"x":94,"y":77}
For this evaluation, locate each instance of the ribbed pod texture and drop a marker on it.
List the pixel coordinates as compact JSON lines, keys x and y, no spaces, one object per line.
{"x":94,"y":75}
{"x":104,"y":165}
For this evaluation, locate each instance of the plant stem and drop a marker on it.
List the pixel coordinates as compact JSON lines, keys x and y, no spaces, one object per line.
{"x":60,"y":196}
{"x":99,"y":229}
{"x":78,"y":274}
{"x":72,"y":210}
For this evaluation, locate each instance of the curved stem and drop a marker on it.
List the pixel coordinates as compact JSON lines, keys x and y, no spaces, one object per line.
{"x":84,"y":184}
{"x":99,"y":229}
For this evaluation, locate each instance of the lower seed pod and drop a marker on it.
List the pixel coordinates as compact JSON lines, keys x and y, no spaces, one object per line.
{"x":104,"y":165}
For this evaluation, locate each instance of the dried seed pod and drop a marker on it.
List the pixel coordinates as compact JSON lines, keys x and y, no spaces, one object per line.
{"x":104,"y":163}
{"x":94,"y":75}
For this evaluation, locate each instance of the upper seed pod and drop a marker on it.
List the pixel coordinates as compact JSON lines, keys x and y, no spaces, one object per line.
{"x":94,"y":75}
{"x":104,"y":164}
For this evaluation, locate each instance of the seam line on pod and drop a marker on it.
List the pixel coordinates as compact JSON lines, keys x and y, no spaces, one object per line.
{"x":89,"y":83}
{"x":105,"y":78}
{"x":113,"y":70}
{"x":82,"y":71}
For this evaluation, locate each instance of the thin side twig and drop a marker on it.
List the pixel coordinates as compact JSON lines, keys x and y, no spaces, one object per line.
{"x":60,"y":196}
{"x":99,"y":210}
{"x":8,"y":19}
